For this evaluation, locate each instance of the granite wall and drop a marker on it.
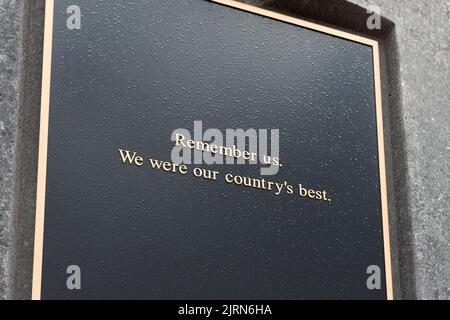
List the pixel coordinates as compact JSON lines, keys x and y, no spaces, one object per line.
{"x":416,"y":76}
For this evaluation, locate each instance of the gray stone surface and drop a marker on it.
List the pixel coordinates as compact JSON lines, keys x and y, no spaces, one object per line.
{"x":423,"y":36}
{"x":21,"y":33}
{"x":416,"y":54}
{"x":11,"y":15}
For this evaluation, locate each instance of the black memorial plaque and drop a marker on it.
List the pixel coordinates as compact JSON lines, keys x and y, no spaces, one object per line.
{"x":136,"y":71}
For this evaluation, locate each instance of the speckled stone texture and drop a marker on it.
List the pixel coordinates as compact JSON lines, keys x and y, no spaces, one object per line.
{"x":423,"y":37}
{"x":416,"y":65}
{"x":21,"y":34}
{"x":11,"y":15}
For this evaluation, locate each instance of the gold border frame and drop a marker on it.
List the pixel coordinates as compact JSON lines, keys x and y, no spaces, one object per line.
{"x":44,"y":125}
{"x":43,"y":148}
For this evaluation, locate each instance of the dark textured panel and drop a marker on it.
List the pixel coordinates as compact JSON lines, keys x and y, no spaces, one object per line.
{"x":135,"y":72}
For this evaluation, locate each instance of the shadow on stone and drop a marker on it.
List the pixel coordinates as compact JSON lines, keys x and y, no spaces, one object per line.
{"x":27,"y":149}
